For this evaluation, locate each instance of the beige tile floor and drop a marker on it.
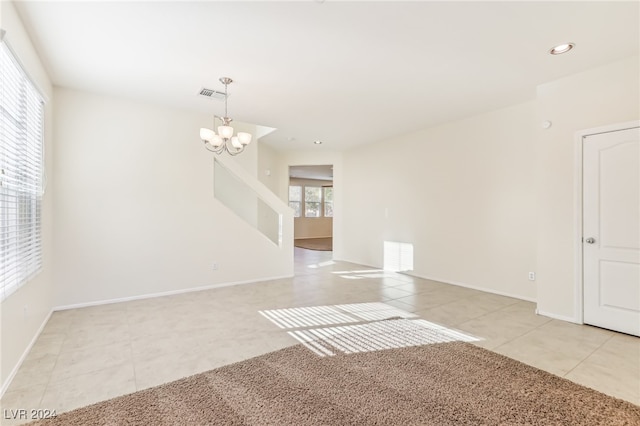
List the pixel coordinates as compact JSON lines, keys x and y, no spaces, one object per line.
{"x":91,"y":354}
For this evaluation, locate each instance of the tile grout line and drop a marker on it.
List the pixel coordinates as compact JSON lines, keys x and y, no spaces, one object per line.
{"x":588,"y":356}
{"x":501,"y":309}
{"x":522,"y":335}
{"x":472,"y":318}
{"x":133,"y":361}
{"x":46,"y":388}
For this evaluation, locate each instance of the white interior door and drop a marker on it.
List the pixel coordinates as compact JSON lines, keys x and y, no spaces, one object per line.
{"x":611,"y":230}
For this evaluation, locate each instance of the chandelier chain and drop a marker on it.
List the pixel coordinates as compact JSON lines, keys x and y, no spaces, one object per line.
{"x":226,"y":98}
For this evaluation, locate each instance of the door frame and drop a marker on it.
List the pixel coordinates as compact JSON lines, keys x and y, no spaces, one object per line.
{"x":578,"y":209}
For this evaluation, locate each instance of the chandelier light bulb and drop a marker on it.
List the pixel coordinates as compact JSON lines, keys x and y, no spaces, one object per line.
{"x":216,"y":141}
{"x":206,"y":134}
{"x":244,"y":138}
{"x":225,"y":132}
{"x":235,"y":142}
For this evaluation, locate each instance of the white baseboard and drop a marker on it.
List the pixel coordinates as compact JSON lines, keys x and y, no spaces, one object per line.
{"x":166,"y":293}
{"x":341,"y":259}
{"x":457,"y":283}
{"x":474,"y":287}
{"x":13,"y":373}
{"x":312,"y":238}
{"x":558,"y":317}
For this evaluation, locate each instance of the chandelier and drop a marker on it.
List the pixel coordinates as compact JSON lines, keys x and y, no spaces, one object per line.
{"x":224,"y":139}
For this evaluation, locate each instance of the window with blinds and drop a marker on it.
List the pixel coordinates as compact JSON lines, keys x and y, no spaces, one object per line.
{"x":21,"y":175}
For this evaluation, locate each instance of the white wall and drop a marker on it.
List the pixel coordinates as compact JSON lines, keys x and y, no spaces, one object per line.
{"x":601,"y":96}
{"x":486,"y":199}
{"x":135,"y":212}
{"x":268,"y":168}
{"x":462,"y":193}
{"x":17,"y":328}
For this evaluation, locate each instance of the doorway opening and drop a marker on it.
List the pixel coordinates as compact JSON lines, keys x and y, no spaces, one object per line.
{"x":311,"y":198}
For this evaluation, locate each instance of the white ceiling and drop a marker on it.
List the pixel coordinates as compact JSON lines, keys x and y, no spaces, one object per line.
{"x":346,"y":73}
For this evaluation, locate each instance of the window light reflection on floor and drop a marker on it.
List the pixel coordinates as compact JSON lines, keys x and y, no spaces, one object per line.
{"x":375,"y":336}
{"x":365,"y":273}
{"x":321,"y":264}
{"x":306,"y":317}
{"x":335,"y":314}
{"x":362,"y":271}
{"x":360,"y":327}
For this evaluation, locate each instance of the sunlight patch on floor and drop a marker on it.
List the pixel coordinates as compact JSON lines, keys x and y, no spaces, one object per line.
{"x":365,"y":273}
{"x":375,"y":336}
{"x":359,"y":327}
{"x":321,"y":264}
{"x":362,"y":271}
{"x":314,"y":316}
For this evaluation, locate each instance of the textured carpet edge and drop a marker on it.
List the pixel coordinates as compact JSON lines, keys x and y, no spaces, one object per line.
{"x":298,"y":350}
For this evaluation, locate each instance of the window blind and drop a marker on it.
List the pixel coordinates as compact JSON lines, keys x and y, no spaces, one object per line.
{"x":21,"y":175}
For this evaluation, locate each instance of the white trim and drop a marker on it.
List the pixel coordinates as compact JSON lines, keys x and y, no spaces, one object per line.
{"x":578,"y":308}
{"x":13,"y":373}
{"x":456,"y":283}
{"x":312,"y":238}
{"x":557,"y":317}
{"x":577,"y":231}
{"x":474,"y":287}
{"x":166,"y":293}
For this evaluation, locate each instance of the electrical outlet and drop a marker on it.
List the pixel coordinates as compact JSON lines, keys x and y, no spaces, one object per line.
{"x":214,"y":266}
{"x":532,"y":276}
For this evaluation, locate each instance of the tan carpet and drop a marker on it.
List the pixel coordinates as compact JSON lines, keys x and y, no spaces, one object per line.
{"x":440,"y":384}
{"x":321,"y":244}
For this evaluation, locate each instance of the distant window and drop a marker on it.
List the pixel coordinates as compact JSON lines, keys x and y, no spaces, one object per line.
{"x":295,"y":200}
{"x":21,"y":175}
{"x":327,"y":200}
{"x":312,"y":201}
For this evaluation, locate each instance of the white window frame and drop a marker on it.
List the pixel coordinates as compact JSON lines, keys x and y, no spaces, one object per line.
{"x":319,"y":203}
{"x":303,"y":201}
{"x":299,"y":202}
{"x":324,"y":201}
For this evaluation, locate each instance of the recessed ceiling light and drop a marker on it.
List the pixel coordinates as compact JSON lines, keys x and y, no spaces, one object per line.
{"x":317,"y":142}
{"x":562,"y":48}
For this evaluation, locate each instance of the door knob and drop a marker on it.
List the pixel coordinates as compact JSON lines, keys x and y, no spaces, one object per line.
{"x":590,"y":240}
